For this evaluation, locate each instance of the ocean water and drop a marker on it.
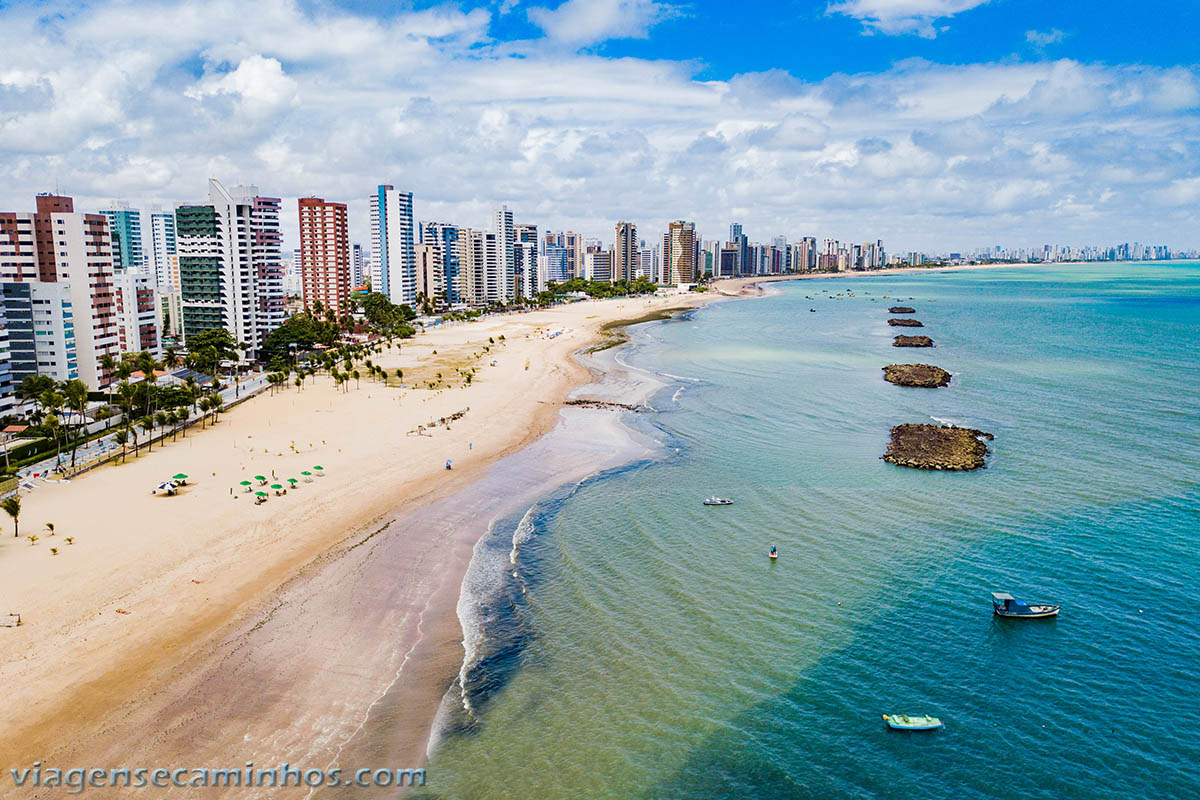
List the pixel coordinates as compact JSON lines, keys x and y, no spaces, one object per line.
{"x":663,"y":656}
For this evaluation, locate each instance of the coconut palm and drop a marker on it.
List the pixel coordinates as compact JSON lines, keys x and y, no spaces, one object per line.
{"x":146,"y":423}
{"x":12,"y":507}
{"x":76,"y":395}
{"x":121,"y":438}
{"x":162,"y":420}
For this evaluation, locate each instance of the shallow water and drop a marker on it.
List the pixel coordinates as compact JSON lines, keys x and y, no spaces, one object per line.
{"x":665,"y":657}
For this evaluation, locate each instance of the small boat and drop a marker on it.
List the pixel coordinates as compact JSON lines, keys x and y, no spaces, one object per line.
{"x":774,"y":554}
{"x":717,"y":501}
{"x":1005,"y":605}
{"x":812,"y":309}
{"x":904,"y":722}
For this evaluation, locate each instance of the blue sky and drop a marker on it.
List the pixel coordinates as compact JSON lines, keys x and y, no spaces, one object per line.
{"x":933,"y":124}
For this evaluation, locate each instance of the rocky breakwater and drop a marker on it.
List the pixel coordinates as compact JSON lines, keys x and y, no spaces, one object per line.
{"x":923,"y":376}
{"x":905,"y":323}
{"x":945,"y":447}
{"x":912,"y":341}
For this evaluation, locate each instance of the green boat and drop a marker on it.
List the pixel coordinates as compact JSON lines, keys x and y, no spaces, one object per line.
{"x":904,"y":722}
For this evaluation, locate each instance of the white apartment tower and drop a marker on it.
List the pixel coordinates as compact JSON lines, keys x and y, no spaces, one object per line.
{"x":394,"y":265}
{"x":230,"y":264}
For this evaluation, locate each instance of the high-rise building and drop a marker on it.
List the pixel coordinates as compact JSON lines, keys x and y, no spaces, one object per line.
{"x":230,"y":264}
{"x":41,"y":329}
{"x":164,"y":257}
{"x":139,"y":314}
{"x":506,"y":239}
{"x":625,"y":252}
{"x":8,"y":388}
{"x":324,"y":254}
{"x":447,"y":239}
{"x":648,"y":263}
{"x":56,"y":245}
{"x":484,"y":278}
{"x":125,"y":233}
{"x":598,"y":265}
{"x":741,"y":244}
{"x":394,"y":261}
{"x":555,"y":265}
{"x":527,"y":281}
{"x":681,"y":253}
{"x":430,"y":272}
{"x":358,"y":262}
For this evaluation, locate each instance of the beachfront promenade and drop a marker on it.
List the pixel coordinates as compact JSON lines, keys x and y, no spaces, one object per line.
{"x":105,"y":447}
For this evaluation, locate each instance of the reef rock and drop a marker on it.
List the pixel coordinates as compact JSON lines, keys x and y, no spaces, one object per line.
{"x":901,"y":310}
{"x":945,"y":447}
{"x":905,"y":323}
{"x":924,"y":376}
{"x":912,"y":341}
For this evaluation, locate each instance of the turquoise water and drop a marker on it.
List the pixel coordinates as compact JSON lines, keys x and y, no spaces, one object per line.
{"x":663,"y":656}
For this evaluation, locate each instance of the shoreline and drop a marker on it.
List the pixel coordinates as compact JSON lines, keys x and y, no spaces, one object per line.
{"x":107,"y":683}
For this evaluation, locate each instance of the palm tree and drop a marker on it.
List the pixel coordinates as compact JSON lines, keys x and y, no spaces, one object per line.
{"x":76,"y":399}
{"x":12,"y":507}
{"x":146,"y":423}
{"x":146,"y":363}
{"x":121,"y":437}
{"x":161,"y":419}
{"x":109,"y":364}
{"x":356,"y":383}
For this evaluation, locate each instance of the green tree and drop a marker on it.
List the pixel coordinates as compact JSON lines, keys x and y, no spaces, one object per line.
{"x":12,"y":507}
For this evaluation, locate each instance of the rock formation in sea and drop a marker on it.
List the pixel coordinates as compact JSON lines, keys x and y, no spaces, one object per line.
{"x":945,"y":447}
{"x":901,"y":310}
{"x":912,"y":341}
{"x":924,"y":376}
{"x":905,"y":323}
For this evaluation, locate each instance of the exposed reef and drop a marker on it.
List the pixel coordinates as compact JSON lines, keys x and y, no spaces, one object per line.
{"x":604,"y":404}
{"x":924,"y":376}
{"x":912,"y":341}
{"x":905,"y":323}
{"x":901,"y":310}
{"x":946,"y":447}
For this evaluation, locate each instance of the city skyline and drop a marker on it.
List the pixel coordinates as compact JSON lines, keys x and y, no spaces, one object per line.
{"x":588,"y":112}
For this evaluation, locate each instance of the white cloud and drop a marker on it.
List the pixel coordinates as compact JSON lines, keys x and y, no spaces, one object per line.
{"x":1040,"y":39}
{"x":584,"y":22}
{"x":147,"y":102}
{"x":902,"y":16}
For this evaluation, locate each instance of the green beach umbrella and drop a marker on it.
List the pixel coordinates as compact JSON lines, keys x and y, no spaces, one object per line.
{"x":293,"y":481}
{"x":179,"y":477}
{"x":260,"y":478}
{"x":276,"y":486}
{"x":245,"y":483}
{"x":261,"y":494}
{"x":305,"y":472}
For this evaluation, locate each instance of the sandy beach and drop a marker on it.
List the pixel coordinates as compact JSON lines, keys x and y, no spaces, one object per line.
{"x":122,"y":628}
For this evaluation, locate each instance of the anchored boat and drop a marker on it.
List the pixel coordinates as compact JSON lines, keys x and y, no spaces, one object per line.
{"x":904,"y":722}
{"x":717,"y":501}
{"x":1005,"y":605}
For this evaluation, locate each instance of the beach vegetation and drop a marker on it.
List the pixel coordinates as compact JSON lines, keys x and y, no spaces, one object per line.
{"x":12,"y":507}
{"x":53,"y":551}
{"x":50,"y":528}
{"x":33,"y":538}
{"x":70,"y":540}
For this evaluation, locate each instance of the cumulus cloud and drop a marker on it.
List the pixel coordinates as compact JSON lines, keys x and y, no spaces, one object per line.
{"x":1044,"y":39}
{"x":584,"y":22}
{"x":902,"y":16}
{"x":146,"y":102}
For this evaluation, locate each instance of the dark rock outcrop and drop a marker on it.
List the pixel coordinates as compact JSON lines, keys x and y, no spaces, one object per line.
{"x":604,"y":404}
{"x":912,"y":341}
{"x":924,"y":376}
{"x":901,"y":310}
{"x":945,"y":447}
{"x":905,"y":323}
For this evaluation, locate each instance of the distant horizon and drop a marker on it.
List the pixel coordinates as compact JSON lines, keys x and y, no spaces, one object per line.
{"x":928,"y":125}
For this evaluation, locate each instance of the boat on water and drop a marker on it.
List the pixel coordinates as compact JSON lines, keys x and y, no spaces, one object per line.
{"x":1005,"y":605}
{"x":905,"y":722}
{"x":717,"y":501}
{"x":774,"y":554}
